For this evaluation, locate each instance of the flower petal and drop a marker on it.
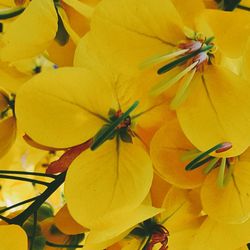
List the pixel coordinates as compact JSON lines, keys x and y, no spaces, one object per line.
{"x":229,"y":204}
{"x":213,"y":235}
{"x":231,"y":30}
{"x":13,"y":237}
{"x":217,"y":110}
{"x":115,"y":177}
{"x":31,"y":32}
{"x":63,"y":108}
{"x":167,"y":147}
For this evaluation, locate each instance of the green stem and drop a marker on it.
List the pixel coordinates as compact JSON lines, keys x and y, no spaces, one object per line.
{"x":7,"y":220}
{"x":52,"y":187}
{"x":33,"y":230}
{"x":18,"y":204}
{"x":2,"y":176}
{"x":27,"y":173}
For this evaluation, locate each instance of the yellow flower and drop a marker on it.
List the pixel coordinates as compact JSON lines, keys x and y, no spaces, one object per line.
{"x":213,"y":235}
{"x":49,"y":21}
{"x":224,"y":179}
{"x":117,"y":171}
{"x":174,"y":228}
{"x":212,"y":100}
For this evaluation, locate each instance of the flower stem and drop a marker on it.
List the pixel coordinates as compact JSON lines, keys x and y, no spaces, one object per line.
{"x":2,"y":176}
{"x":52,"y":187}
{"x":18,"y":204}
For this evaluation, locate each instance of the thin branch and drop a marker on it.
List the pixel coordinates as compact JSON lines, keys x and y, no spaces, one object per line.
{"x":2,"y":176}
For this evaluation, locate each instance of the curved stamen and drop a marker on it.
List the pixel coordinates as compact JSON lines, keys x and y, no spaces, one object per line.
{"x":183,"y":59}
{"x":106,"y":132}
{"x":196,"y":162}
{"x":221,"y":175}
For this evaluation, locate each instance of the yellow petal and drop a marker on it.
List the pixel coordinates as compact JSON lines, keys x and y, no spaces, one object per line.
{"x":13,"y":237}
{"x":23,"y":40}
{"x":182,"y":208}
{"x":112,"y":178}
{"x":231,"y":30}
{"x":213,"y":235}
{"x":158,"y":190}
{"x":131,"y":31}
{"x":167,"y":147}
{"x":66,"y":224}
{"x":189,"y":10}
{"x":229,"y":204}
{"x":114,"y":225}
{"x":217,"y":110}
{"x":7,"y":134}
{"x":67,"y":106}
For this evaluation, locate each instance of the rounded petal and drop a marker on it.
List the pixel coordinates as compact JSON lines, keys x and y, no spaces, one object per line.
{"x":63,"y":108}
{"x":229,"y":204}
{"x":114,"y":225}
{"x":216,"y":111}
{"x":182,"y":208}
{"x":23,"y":40}
{"x":66,"y":224}
{"x":13,"y":237}
{"x":131,"y":31}
{"x":7,"y":134}
{"x":115,"y":177}
{"x":231,"y":30}
{"x":213,"y":235}
{"x":167,"y":148}
{"x":158,"y":190}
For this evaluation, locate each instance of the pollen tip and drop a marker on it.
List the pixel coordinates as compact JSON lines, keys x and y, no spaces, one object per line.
{"x":224,"y":147}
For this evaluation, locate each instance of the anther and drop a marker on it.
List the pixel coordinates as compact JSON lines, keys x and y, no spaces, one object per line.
{"x":224,"y":147}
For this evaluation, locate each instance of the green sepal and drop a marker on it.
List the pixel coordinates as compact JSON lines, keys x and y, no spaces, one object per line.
{"x":107,"y":131}
{"x":139,"y":232}
{"x":62,"y":36}
{"x":45,"y":211}
{"x":111,"y":114}
{"x":125,"y":136}
{"x":11,"y":12}
{"x":39,"y":243}
{"x":28,"y":227}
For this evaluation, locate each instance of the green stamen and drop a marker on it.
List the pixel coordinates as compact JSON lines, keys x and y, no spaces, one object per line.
{"x":190,"y":155}
{"x":182,"y":92}
{"x":220,"y":179}
{"x":210,"y":165}
{"x":168,"y":83}
{"x":10,"y":12}
{"x":106,"y":132}
{"x":193,"y":163}
{"x":161,"y":58}
{"x":209,"y":40}
{"x":183,"y":59}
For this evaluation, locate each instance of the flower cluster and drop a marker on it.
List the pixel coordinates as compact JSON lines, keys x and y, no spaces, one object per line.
{"x":125,"y":124}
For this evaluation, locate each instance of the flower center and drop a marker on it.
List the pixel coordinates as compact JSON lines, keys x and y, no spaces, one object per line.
{"x":118,"y":125}
{"x":225,"y":164}
{"x":154,"y":232}
{"x":191,"y":56}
